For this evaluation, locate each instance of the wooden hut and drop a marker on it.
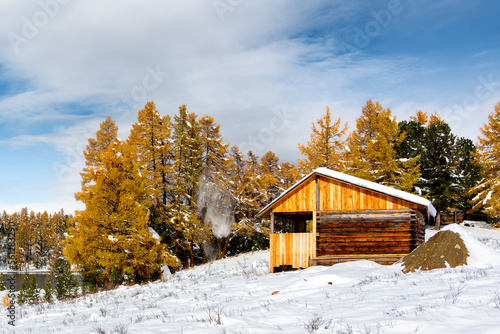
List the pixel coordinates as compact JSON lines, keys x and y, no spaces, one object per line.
{"x":330,"y":217}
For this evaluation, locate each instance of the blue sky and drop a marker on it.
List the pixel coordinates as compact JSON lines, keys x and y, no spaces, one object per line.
{"x":265,"y":70}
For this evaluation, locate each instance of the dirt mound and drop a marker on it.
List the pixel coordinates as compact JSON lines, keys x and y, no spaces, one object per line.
{"x":444,"y":249}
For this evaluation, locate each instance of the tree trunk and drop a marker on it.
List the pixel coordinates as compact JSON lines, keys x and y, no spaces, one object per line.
{"x":223,"y":251}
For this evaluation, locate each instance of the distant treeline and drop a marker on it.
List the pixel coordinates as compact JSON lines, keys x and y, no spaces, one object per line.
{"x":31,"y":238}
{"x":177,"y":179}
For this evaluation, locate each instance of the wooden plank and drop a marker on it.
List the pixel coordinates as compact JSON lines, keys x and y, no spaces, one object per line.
{"x":314,"y":233}
{"x":376,"y":236}
{"x":272,"y":222}
{"x":374,"y":231}
{"x":364,"y":211}
{"x":365,"y":218}
{"x":329,"y":225}
{"x":331,"y":202}
{"x":363,"y":250}
{"x":317,"y":194}
{"x":381,"y":259}
{"x":290,"y":249}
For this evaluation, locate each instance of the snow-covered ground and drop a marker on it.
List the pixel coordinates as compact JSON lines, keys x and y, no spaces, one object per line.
{"x":238,"y":295}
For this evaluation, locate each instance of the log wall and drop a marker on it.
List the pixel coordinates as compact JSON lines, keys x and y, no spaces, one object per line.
{"x":368,"y":232}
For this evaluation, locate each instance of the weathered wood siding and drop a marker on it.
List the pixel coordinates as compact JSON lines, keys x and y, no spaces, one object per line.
{"x":291,"y":249}
{"x":368,"y":232}
{"x":337,"y":196}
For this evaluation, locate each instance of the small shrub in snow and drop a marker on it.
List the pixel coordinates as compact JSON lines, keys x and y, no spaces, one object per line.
{"x":454,"y":293}
{"x":316,"y":323}
{"x":120,"y":329}
{"x":495,"y":301}
{"x":99,"y":330}
{"x":103,"y":312}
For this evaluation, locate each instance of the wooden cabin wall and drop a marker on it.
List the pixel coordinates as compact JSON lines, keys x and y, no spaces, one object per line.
{"x":340,"y":196}
{"x":300,"y":199}
{"x":337,"y":196}
{"x":368,"y":232}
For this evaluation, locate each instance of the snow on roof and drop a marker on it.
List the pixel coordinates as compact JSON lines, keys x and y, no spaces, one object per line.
{"x":364,"y":184}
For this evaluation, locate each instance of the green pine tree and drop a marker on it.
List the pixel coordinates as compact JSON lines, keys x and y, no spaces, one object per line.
{"x":438,"y":160}
{"x":468,"y":172}
{"x":33,"y":290}
{"x":25,"y":294}
{"x":449,"y":168}
{"x":66,"y":283}
{"x":48,"y":294}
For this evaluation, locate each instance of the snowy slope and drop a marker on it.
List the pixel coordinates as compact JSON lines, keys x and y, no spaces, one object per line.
{"x":236,"y":296}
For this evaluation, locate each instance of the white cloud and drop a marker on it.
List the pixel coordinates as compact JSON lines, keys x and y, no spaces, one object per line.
{"x":94,"y":59}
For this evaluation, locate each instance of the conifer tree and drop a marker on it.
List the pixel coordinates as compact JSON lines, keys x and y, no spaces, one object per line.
{"x":104,"y":137}
{"x":487,"y":192}
{"x":412,"y":145}
{"x":66,"y":283}
{"x":48,"y":291}
{"x":187,"y":230}
{"x":29,"y":292}
{"x":288,"y":175}
{"x":438,"y":160}
{"x":255,"y":184}
{"x":24,"y":237}
{"x":33,"y":290}
{"x":23,"y":295}
{"x":150,"y":137}
{"x":372,"y":150}
{"x":326,"y":147}
{"x":269,"y":169}
{"x":448,"y":167}
{"x":112,"y":232}
{"x":420,"y":118}
{"x":247,"y":187}
{"x":468,"y":171}
{"x":214,"y":151}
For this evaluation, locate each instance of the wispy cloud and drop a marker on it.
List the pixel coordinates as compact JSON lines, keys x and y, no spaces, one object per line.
{"x":94,"y":59}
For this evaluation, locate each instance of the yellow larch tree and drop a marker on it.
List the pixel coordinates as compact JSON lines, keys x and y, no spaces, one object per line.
{"x":487,"y":192}
{"x":326,"y":147}
{"x":372,"y":150}
{"x":111,"y":240}
{"x":106,"y":134}
{"x":150,"y":138}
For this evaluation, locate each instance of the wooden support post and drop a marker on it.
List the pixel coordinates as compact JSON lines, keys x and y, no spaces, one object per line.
{"x":317,"y":195}
{"x":272,"y":222}
{"x":437,"y":224}
{"x":314,"y":237}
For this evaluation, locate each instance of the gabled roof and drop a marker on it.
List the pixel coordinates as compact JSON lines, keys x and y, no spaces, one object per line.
{"x":361,"y":183}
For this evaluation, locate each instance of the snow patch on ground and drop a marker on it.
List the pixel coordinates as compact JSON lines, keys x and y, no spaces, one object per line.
{"x":239,"y":295}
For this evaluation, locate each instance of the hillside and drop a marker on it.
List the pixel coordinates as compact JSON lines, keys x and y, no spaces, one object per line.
{"x":238,"y":295}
